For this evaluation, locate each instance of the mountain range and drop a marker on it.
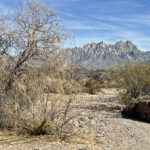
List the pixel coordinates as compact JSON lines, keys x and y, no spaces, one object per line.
{"x":104,"y":56}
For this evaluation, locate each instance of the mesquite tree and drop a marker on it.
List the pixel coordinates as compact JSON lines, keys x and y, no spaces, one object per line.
{"x":5,"y":35}
{"x":36,"y":31}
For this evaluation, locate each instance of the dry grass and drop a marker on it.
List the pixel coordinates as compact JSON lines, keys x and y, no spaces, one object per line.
{"x":26,"y":108}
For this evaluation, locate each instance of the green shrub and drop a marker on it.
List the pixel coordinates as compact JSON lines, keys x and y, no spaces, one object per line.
{"x":134,"y":80}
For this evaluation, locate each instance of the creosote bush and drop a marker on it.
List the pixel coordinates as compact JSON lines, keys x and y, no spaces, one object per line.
{"x":134,"y":80}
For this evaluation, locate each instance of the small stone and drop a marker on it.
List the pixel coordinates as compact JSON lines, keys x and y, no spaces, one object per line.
{"x":100,"y":135}
{"x":91,"y":116}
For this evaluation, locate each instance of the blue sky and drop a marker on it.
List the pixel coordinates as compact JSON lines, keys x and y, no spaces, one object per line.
{"x":102,"y":20}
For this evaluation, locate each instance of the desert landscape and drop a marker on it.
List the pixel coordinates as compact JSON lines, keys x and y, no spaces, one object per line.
{"x":88,"y":96}
{"x":100,"y":125}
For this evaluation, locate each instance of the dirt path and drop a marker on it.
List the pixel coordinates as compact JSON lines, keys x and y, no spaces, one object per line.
{"x":102,"y":112}
{"x":116,"y":132}
{"x":123,"y":133}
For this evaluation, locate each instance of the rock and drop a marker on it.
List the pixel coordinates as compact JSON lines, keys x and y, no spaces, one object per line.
{"x":76,"y":123}
{"x":91,"y":116}
{"x":141,"y":110}
{"x":99,"y":135}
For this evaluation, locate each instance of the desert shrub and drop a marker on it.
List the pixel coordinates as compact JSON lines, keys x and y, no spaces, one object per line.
{"x":68,"y":78}
{"x":54,"y":85}
{"x":2,"y":76}
{"x":33,"y":39}
{"x":103,"y":77}
{"x":134,"y":80}
{"x":72,"y":87}
{"x":63,"y":78}
{"x":92,"y":86}
{"x":27,"y":109}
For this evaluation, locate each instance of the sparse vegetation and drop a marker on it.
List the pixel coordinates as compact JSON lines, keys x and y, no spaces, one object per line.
{"x":92,"y":86}
{"x":32,"y":69}
{"x":27,"y":108}
{"x":25,"y":105}
{"x":134,"y":80}
{"x":43,"y":95}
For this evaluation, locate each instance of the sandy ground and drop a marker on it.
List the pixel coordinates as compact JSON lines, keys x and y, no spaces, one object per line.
{"x":104,"y":126}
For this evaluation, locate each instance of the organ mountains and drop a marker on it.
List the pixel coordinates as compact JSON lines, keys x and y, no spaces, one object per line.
{"x":104,"y":56}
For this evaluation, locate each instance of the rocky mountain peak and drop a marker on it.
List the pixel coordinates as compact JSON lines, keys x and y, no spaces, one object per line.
{"x":102,"y":55}
{"x":120,"y":43}
{"x":102,"y":44}
{"x":129,"y":42}
{"x":93,"y":45}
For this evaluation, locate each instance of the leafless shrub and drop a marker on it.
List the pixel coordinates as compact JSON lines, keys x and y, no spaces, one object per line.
{"x":35,"y":34}
{"x":27,"y":109}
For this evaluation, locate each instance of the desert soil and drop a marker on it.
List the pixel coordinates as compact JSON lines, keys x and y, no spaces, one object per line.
{"x":101,"y":125}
